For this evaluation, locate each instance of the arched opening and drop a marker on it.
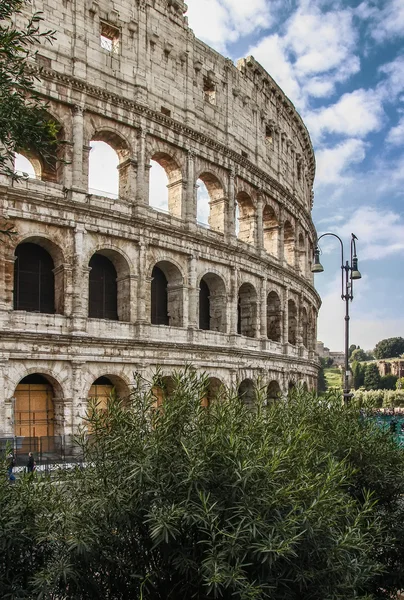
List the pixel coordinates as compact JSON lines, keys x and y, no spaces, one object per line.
{"x":271,"y":230}
{"x":246,"y":218}
{"x":291,"y":387}
{"x":212,"y":303}
{"x":246,"y":392}
{"x":292,"y":323}
{"x":273,"y":391}
{"x":103,"y":290}
{"x":211,"y":202}
{"x":305,"y":387}
{"x":165,"y":184}
{"x":247,"y":310}
{"x":214,"y":391}
{"x":302,"y":255}
{"x":289,"y":243}
{"x":29,"y":169}
{"x":204,"y":306}
{"x":103,"y":174}
{"x":305,"y":328}
{"x":166,"y":295}
{"x":162,"y":389}
{"x":34,"y":280}
{"x":274,"y":317}
{"x":100,"y":392}
{"x":34,"y":413}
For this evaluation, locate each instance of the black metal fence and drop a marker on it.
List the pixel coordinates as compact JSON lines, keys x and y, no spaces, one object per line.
{"x":48,"y":452}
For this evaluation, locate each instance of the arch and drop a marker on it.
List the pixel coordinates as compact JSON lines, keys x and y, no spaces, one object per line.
{"x":109,"y":167}
{"x":100,"y":391}
{"x":274,"y":317}
{"x":305,"y":387}
{"x":34,"y":280}
{"x":289,"y":243}
{"x":302,"y":254}
{"x":37,"y":404}
{"x":273,"y":391}
{"x":163,"y":388}
{"x":47,"y":166}
{"x":29,"y":168}
{"x":305,"y":327}
{"x":271,"y":230}
{"x":214,"y":391}
{"x":246,"y":218}
{"x":246,"y":392}
{"x":216,"y":201}
{"x":291,"y":386}
{"x":247,"y":310}
{"x":292,"y":322}
{"x":103,"y":289}
{"x":212,"y":303}
{"x":165,"y":184}
{"x":166,"y":295}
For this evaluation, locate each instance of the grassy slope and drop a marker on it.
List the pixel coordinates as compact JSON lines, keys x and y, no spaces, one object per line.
{"x":333,"y":377}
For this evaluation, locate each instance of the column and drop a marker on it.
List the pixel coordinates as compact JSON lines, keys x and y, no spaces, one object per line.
{"x":192,"y":293}
{"x":281,"y":238}
{"x":79,"y":403}
{"x":78,"y":150}
{"x":233,"y":301}
{"x":231,"y":227}
{"x":188,"y":211}
{"x":80,"y":283}
{"x":285,"y":328}
{"x":263,"y":295}
{"x":141,"y":195}
{"x":260,"y":221}
{"x":142,"y":286}
{"x":6,"y":403}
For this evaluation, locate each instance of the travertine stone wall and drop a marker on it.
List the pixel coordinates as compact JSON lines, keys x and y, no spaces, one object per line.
{"x":158,"y":93}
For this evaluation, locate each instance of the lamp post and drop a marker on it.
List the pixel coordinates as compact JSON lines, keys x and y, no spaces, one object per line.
{"x":349,"y":273}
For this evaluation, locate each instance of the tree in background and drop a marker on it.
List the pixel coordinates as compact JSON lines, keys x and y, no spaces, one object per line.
{"x":389,"y":348}
{"x":360,"y":355}
{"x":358,"y":374}
{"x":372,"y":377}
{"x":388,"y":382}
{"x":296,"y":500}
{"x":321,"y":380}
{"x":24,"y":122}
{"x":352,"y":347}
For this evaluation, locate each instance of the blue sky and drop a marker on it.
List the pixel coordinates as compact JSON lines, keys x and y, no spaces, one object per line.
{"x":341,"y":62}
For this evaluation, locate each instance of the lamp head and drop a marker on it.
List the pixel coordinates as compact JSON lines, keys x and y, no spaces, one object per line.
{"x":355,"y":273}
{"x":317,"y":267}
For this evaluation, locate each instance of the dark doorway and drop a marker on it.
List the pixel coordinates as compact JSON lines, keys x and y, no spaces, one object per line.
{"x":159,"y":298}
{"x":204,"y":306}
{"x":103,"y":291}
{"x":34,"y":281}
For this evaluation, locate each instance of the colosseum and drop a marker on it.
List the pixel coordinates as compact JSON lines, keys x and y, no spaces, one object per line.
{"x":97,"y":286}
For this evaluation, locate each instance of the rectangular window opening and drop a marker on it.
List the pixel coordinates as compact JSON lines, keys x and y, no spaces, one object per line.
{"x":109,"y":38}
{"x":165,"y":111}
{"x":268,"y":136}
{"x":244,"y":154}
{"x":209,"y":90}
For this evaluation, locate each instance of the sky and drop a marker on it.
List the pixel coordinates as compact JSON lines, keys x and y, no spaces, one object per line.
{"x":341,"y":63}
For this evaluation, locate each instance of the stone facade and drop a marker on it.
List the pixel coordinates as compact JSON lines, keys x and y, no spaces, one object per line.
{"x":132,"y":74}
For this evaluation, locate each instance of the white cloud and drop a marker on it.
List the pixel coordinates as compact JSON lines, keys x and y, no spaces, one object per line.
{"x":333,"y":164}
{"x":395,"y":136}
{"x":357,"y":113}
{"x":393,"y":86}
{"x":219,"y":22}
{"x":388,"y":22}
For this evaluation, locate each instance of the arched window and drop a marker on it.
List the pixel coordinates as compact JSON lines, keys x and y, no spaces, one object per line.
{"x":246,"y":392}
{"x":101,"y":391}
{"x":292,"y":323}
{"x":165,"y":184}
{"x":163,"y":388}
{"x":214,"y":391}
{"x":103,"y":291}
{"x":34,"y":281}
{"x":289,"y":243}
{"x":274,"y":317}
{"x":212,"y":303}
{"x":273,"y":391}
{"x":166,"y":295}
{"x":247,"y":310}
{"x":246,"y":218}
{"x":103,"y":174}
{"x":211,"y":202}
{"x":204,"y":306}
{"x":24,"y":167}
{"x":34,"y":408}
{"x":271,"y":231}
{"x":159,"y":298}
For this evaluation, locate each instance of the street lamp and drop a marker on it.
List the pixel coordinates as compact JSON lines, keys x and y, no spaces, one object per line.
{"x":349,"y":273}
